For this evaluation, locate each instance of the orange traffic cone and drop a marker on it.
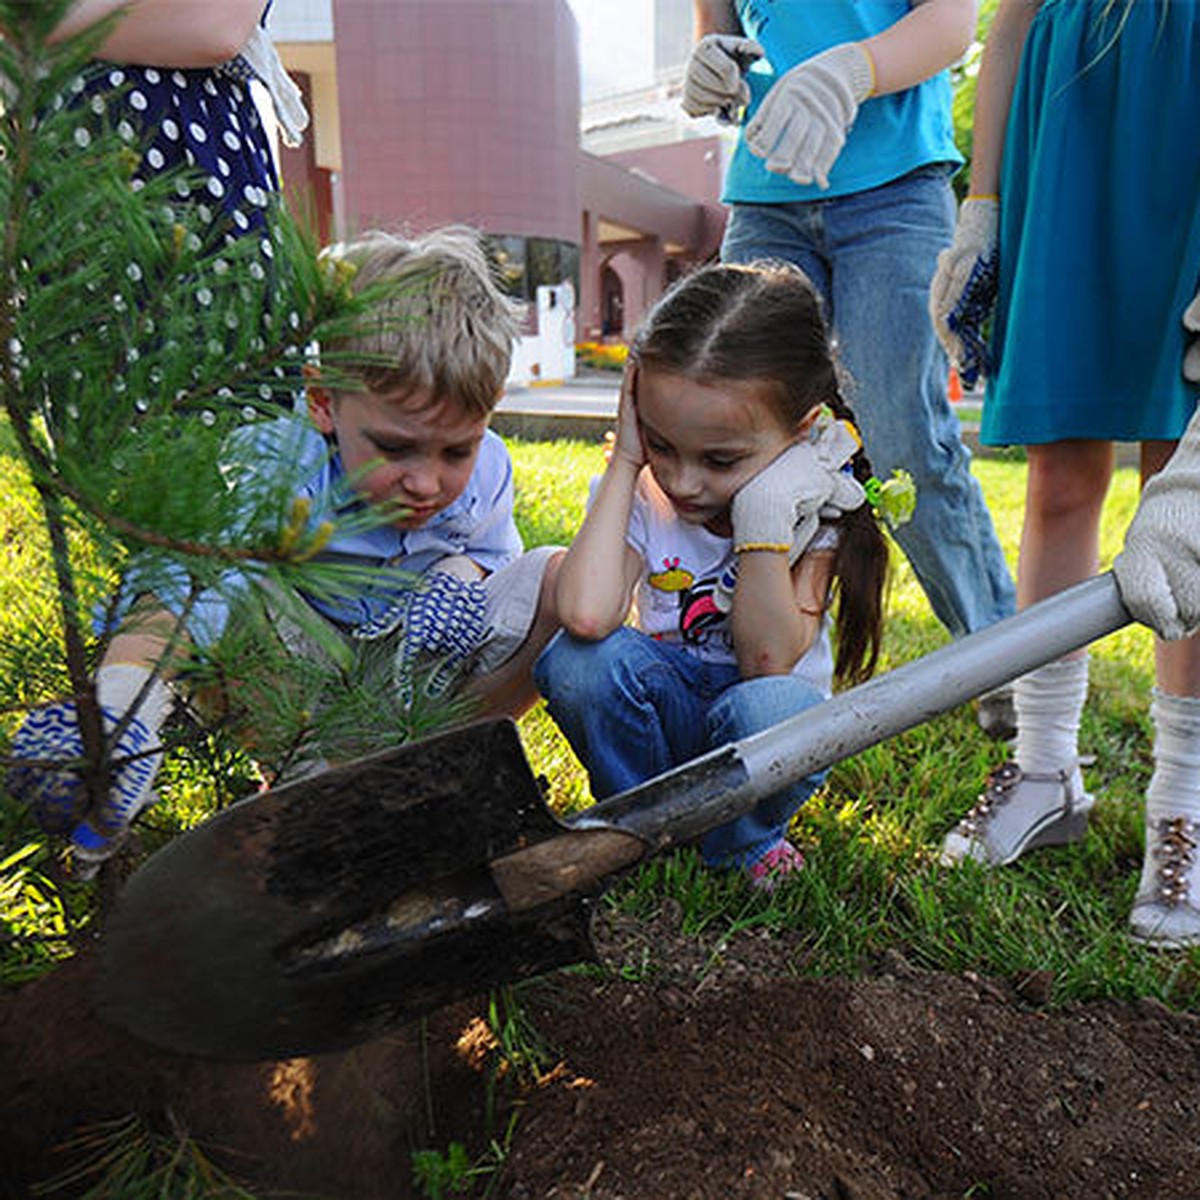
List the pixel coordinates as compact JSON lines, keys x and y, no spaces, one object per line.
{"x":954,"y":391}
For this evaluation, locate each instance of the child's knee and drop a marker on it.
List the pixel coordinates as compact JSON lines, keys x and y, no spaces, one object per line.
{"x":756,"y":704}
{"x":578,"y":671}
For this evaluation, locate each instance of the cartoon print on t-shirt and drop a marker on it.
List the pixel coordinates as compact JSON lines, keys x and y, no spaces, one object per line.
{"x":702,"y":605}
{"x":672,"y":578}
{"x":698,"y":612}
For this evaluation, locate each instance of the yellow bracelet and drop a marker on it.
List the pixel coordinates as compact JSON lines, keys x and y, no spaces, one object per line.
{"x":771,"y":547}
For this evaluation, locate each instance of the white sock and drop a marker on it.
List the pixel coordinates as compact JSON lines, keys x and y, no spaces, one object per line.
{"x":1174,"y":789}
{"x":1049,"y":703}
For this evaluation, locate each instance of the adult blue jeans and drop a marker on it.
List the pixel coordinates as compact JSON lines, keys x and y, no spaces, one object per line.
{"x":872,"y":256}
{"x":633,"y":707}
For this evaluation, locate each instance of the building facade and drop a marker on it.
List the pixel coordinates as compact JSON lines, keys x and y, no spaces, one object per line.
{"x":433,"y":112}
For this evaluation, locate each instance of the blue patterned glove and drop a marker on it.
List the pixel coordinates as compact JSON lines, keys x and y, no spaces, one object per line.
{"x":56,"y":794}
{"x":963,"y":292}
{"x":444,"y":618}
{"x":969,"y":316}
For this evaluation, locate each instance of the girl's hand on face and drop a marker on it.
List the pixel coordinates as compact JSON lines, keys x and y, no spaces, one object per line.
{"x":628,"y":444}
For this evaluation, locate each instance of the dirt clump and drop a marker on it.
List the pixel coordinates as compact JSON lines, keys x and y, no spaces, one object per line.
{"x":719,"y":1075}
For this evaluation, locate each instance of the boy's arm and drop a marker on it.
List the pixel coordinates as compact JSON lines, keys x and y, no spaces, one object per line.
{"x":168,"y":33}
{"x":134,"y":703}
{"x":145,"y":639}
{"x":600,"y":570}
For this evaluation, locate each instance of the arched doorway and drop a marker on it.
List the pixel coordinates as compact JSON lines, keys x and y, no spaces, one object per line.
{"x":612,"y":304}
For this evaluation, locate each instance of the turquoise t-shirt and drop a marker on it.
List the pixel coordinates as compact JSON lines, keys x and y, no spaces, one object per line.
{"x":891,"y":136}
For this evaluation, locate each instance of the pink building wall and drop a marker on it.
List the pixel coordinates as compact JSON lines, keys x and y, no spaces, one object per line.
{"x":462,"y":111}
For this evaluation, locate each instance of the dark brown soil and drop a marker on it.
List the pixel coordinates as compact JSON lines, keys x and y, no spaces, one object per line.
{"x":717,"y":1079}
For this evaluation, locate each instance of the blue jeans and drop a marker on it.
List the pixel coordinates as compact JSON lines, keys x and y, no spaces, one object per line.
{"x":633,"y":707}
{"x":872,"y":256}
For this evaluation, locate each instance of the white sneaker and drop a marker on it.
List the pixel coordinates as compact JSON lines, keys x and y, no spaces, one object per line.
{"x":1166,"y":910}
{"x":1018,"y":811}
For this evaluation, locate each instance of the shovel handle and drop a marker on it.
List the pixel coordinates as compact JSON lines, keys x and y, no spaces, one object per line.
{"x":684,"y":803}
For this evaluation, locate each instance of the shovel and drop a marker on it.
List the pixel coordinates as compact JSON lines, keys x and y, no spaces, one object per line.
{"x":318,"y":915}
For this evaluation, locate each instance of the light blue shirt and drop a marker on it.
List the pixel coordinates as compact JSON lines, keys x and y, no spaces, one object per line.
{"x":479,"y":524}
{"x":891,"y":135}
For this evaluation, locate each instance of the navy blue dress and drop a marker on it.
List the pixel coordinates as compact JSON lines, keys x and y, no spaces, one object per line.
{"x":204,"y":124}
{"x":203,"y":119}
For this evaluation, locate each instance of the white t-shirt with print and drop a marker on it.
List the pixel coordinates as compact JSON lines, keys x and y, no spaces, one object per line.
{"x":686,"y":569}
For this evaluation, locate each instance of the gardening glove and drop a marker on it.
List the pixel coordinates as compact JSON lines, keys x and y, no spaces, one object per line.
{"x":713,"y":79}
{"x":259,"y":58}
{"x":1158,"y":571}
{"x":444,"y":618}
{"x":780,"y":508}
{"x":56,"y":794}
{"x":801,"y":125}
{"x":1191,"y":357}
{"x":963,"y":292}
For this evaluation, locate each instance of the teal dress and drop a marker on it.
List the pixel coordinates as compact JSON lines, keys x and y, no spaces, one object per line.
{"x":1100,"y":226}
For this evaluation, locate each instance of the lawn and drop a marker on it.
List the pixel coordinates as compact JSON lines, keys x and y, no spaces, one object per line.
{"x":871,"y":834}
{"x":871,"y":888}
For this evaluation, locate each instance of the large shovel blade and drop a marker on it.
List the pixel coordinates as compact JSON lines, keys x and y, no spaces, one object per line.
{"x":311,"y":917}
{"x":314,"y":916}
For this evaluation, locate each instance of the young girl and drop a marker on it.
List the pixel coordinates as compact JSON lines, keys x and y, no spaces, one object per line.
{"x":749,"y":519}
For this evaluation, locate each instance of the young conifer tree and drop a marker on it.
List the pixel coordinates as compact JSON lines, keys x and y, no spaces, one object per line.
{"x":131,"y":349}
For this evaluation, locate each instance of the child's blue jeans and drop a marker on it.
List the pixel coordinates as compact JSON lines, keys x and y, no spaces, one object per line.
{"x":633,"y":707}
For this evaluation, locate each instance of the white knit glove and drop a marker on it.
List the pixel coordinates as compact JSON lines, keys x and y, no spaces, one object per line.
{"x":780,"y":508}
{"x":963,"y":293}
{"x":713,"y":79}
{"x":1158,"y":571}
{"x":1191,"y":357}
{"x":56,"y":793}
{"x":801,"y":125}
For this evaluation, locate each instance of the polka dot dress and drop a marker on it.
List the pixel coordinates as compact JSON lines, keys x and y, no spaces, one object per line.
{"x":205,"y":120}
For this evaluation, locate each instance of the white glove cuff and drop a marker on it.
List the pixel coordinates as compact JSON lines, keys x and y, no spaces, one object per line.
{"x":854,"y":60}
{"x":118,"y":686}
{"x":978,"y":221}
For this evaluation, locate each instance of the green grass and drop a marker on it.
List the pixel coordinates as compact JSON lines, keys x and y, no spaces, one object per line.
{"x":873,"y":832}
{"x":871,"y":837}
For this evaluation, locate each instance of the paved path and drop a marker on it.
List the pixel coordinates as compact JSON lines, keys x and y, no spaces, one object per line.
{"x":585,"y":395}
{"x":586,"y":405}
